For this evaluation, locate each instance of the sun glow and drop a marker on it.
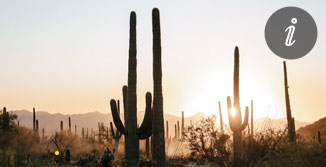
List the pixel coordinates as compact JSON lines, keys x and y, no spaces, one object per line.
{"x":233,"y":112}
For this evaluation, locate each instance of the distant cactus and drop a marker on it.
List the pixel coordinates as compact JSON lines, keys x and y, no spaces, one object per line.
{"x":83,"y":132}
{"x":183,"y":125}
{"x":175,"y":132}
{"x":221,"y":118}
{"x":75,"y":129}
{"x":69,"y":122}
{"x":36,"y":122}
{"x":235,"y":121}
{"x":319,"y":139}
{"x":42,"y":134}
{"x":61,"y":126}
{"x":252,"y":119}
{"x":34,"y":118}
{"x":178,"y":135}
{"x":290,"y":119}
{"x":6,"y":120}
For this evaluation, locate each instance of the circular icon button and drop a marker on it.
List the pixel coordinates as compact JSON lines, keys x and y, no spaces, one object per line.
{"x":291,"y":33}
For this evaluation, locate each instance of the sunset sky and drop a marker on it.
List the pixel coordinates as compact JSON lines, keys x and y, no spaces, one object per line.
{"x":71,"y":56}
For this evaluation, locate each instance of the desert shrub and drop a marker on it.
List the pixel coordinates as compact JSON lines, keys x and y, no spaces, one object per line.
{"x":299,"y":154}
{"x":207,"y":142}
{"x":107,"y":157}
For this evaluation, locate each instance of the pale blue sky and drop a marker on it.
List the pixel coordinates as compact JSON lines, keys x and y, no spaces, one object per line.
{"x":70,"y":56}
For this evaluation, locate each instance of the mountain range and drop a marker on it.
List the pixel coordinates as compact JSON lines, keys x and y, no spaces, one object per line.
{"x":51,"y":122}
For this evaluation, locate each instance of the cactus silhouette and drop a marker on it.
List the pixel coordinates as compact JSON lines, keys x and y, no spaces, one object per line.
{"x":61,"y":126}
{"x":69,"y":122}
{"x":252,"y":120}
{"x":42,"y":134}
{"x":36,"y":124}
{"x":5,"y":120}
{"x":175,"y":132}
{"x":130,"y":130}
{"x":158,"y":127}
{"x":290,"y":119}
{"x":183,"y":125}
{"x":221,"y":118}
{"x":235,"y":121}
{"x":34,"y":118}
{"x":319,"y":139}
{"x":178,"y":134}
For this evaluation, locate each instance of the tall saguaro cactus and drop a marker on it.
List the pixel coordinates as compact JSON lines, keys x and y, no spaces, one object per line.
{"x":290,"y":119}
{"x":130,"y":130}
{"x":235,"y":121}
{"x":158,"y":126}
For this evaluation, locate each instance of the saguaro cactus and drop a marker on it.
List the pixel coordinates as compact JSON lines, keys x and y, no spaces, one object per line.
{"x":319,"y":139}
{"x":221,"y":118}
{"x":175,"y":132}
{"x":235,"y":120}
{"x":61,"y":126}
{"x":183,"y":126}
{"x":5,"y":120}
{"x":290,"y":119}
{"x":158,"y":126}
{"x":36,"y":124}
{"x":178,"y":130}
{"x":69,"y":122}
{"x":83,"y":132}
{"x":132,"y":136}
{"x":34,"y":118}
{"x":252,"y":119}
{"x":42,"y":134}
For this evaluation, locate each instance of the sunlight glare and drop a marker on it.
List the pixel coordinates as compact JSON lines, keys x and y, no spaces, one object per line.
{"x":233,"y":113}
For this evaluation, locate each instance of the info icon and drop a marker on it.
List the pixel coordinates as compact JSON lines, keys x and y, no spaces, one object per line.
{"x":291,"y":33}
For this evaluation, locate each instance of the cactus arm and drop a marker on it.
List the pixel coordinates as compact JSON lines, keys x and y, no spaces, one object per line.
{"x":112,"y":130}
{"x":231,"y":118}
{"x":145,"y":128}
{"x":245,"y":121}
{"x":116,"y":118}
{"x":125,"y":95}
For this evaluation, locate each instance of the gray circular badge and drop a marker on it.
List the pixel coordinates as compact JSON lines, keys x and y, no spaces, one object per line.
{"x":291,"y":33}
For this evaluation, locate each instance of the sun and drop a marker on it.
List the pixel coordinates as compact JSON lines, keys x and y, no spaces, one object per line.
{"x":233,"y":112}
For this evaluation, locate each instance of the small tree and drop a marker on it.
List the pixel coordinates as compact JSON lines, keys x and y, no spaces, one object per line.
{"x":207,"y":142}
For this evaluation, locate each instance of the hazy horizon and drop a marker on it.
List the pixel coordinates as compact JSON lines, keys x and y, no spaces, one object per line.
{"x":72,"y":57}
